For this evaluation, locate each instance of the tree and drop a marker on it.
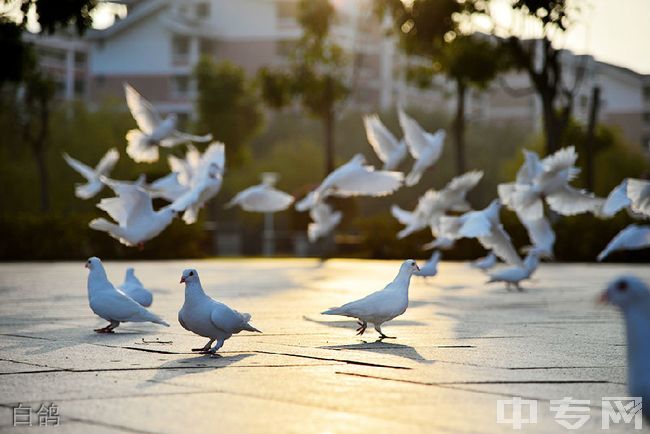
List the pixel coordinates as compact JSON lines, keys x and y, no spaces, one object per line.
{"x":51,"y":16}
{"x":35,"y":105}
{"x":542,"y":61}
{"x":315,"y":75}
{"x":227,"y":106}
{"x":429,"y":29}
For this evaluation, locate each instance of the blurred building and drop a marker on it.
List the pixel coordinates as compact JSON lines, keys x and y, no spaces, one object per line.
{"x":64,"y":57}
{"x":157,"y":45}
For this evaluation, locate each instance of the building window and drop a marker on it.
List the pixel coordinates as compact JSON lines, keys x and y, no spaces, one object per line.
{"x":206,"y":46}
{"x":180,"y":49}
{"x":202,"y":10}
{"x":180,"y":86}
{"x":646,"y":93}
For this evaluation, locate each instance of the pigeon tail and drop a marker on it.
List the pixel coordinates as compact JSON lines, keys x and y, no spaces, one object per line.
{"x":332,"y":311}
{"x":139,"y":148}
{"x":157,"y":320}
{"x":250,"y":328}
{"x":100,"y":224}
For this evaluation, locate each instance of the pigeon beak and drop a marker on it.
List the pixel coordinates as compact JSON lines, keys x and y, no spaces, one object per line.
{"x":603,"y":298}
{"x":86,"y":265}
{"x":416,"y":267}
{"x":182,"y":279}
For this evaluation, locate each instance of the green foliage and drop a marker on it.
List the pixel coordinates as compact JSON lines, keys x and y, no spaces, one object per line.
{"x":228,"y":106}
{"x":276,"y":87}
{"x":60,"y":14}
{"x":315,"y":17}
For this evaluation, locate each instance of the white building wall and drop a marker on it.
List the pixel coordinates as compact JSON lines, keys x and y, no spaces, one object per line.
{"x":143,"y":48}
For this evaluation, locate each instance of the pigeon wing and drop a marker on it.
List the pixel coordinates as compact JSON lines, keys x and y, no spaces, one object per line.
{"x":142,"y":111}
{"x":84,"y":170}
{"x":365,"y":181}
{"x":107,"y":162}
{"x":380,"y":138}
{"x":571,"y":201}
{"x":227,"y":319}
{"x":499,"y":242}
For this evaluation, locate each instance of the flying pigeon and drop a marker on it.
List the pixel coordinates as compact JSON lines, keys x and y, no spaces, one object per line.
{"x":484,"y":263}
{"x":153,"y":130}
{"x":425,"y":148}
{"x":381,"y":306}
{"x":262,"y":197}
{"x":632,"y":296}
{"x":111,"y":304}
{"x":430,"y":268}
{"x":134,"y":288}
{"x":136,"y":219}
{"x":513,"y":276}
{"x":206,"y":317}
{"x":434,"y":204}
{"x":638,"y":191}
{"x":633,"y":237}
{"x":354,"y":178}
{"x":485,"y":226}
{"x":388,"y":149}
{"x":205,"y":182}
{"x":94,"y":184}
{"x":548,"y":180}
{"x":324,"y":220}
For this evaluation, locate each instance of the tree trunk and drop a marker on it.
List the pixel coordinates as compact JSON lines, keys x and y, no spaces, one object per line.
{"x":589,"y":140}
{"x":459,"y":127}
{"x":328,"y":127}
{"x":552,"y":131}
{"x":43,"y":177}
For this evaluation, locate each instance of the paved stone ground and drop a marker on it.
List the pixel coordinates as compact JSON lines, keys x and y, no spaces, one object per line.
{"x":461,"y":346}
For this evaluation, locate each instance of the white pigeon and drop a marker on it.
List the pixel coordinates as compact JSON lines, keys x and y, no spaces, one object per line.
{"x":134,"y":288}
{"x":616,"y":200}
{"x":425,"y":148}
{"x":111,"y":304}
{"x":324,"y":221}
{"x":638,"y":191}
{"x":441,"y":243}
{"x":133,"y":211}
{"x":207,"y":317}
{"x":94,"y":184}
{"x":633,"y":237}
{"x":632,"y":296}
{"x":548,"y":180}
{"x":205,"y":182}
{"x":513,"y":276}
{"x":153,"y":130}
{"x":485,"y":226}
{"x":430,"y":268}
{"x":354,"y":178}
{"x":541,"y":235}
{"x":263,"y":197}
{"x":433,"y":204}
{"x":389,"y":150}
{"x":167,"y":187}
{"x":381,"y":306}
{"x":484,"y":263}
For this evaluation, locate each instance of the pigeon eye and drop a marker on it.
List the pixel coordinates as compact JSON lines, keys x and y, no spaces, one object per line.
{"x":191,"y":273}
{"x":621,"y":286}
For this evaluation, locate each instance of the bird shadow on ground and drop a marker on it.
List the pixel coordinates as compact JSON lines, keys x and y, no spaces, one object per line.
{"x":352,"y":324}
{"x":47,"y":341}
{"x":196,"y":364}
{"x":380,"y":346}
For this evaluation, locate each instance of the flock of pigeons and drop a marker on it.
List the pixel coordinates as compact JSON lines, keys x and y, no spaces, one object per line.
{"x":540,"y":185}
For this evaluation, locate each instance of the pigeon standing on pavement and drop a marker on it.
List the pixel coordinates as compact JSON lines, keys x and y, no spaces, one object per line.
{"x":135,"y":289}
{"x":380,"y":306}
{"x":514,"y":275}
{"x":113,"y":305}
{"x":207,"y":317}
{"x":94,"y":184}
{"x":632,"y":296}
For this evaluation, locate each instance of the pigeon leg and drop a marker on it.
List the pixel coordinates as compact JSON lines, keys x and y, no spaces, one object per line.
{"x":205,"y":348}
{"x":141,"y":246}
{"x":381,"y":334}
{"x":519,"y":287}
{"x":216,"y":347}
{"x":508,"y":286}
{"x":362,"y":327}
{"x":103,"y":329}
